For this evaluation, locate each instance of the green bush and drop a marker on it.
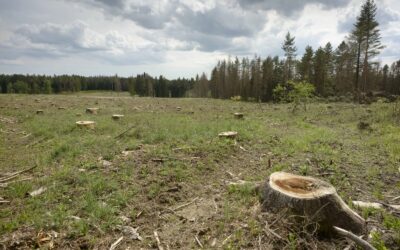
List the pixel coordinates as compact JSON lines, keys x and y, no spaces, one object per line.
{"x":298,"y":93}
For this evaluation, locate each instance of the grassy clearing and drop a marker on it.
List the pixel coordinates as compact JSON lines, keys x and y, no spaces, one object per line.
{"x":171,"y":157}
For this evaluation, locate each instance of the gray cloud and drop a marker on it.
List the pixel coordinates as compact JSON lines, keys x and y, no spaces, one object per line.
{"x":57,"y":41}
{"x":289,"y":7}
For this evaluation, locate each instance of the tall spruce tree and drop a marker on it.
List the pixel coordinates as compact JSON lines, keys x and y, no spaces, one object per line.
{"x":306,"y":65}
{"x":290,"y":53}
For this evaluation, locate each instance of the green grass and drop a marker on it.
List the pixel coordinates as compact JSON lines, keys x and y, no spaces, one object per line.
{"x":176,"y":150}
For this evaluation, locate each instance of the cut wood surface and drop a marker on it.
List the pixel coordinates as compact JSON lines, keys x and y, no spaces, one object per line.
{"x":86,"y":124}
{"x":311,"y":197}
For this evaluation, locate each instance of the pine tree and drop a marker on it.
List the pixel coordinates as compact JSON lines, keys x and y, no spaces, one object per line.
{"x":290,"y":53}
{"x":306,"y":65}
{"x":372,"y":38}
{"x":367,"y":40}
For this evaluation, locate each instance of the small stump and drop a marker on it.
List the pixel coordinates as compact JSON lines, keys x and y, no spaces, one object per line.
{"x":117,"y":117}
{"x":228,"y":134}
{"x":39,"y":112}
{"x":92,"y":110}
{"x":238,"y":116}
{"x":86,"y":124}
{"x":178,"y":108}
{"x":310,"y":197}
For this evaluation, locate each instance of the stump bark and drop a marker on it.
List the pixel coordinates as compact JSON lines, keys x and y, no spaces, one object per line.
{"x":310,"y":197}
{"x":86,"y":124}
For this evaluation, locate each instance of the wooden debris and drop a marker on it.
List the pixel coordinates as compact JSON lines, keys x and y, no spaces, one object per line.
{"x":198,"y":242}
{"x":37,"y":192}
{"x":116,"y":243}
{"x":376,"y":205}
{"x":39,"y":112}
{"x":158,"y":241}
{"x":311,"y":197}
{"x":186,"y":204}
{"x":362,"y":204}
{"x":15,"y":175}
{"x":364,"y":244}
{"x":131,"y":233}
{"x":2,"y":200}
{"x":86,"y":124}
{"x":228,"y":134}
{"x":117,"y":117}
{"x":126,"y":131}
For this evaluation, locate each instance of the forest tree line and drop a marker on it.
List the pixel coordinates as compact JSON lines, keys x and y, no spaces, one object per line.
{"x":349,"y":69}
{"x":142,"y":85}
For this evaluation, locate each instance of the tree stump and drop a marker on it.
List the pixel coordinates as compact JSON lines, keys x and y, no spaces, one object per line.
{"x":311,"y":197}
{"x":238,"y":116}
{"x":86,"y":124}
{"x":39,"y":112}
{"x":92,"y":110}
{"x":178,"y":108}
{"x":117,"y":117}
{"x":228,"y":134}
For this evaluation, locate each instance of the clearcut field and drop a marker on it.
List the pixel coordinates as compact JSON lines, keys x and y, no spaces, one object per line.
{"x":164,"y":169}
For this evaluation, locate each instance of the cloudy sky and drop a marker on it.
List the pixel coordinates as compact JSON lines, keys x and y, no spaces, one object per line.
{"x":174,"y":38}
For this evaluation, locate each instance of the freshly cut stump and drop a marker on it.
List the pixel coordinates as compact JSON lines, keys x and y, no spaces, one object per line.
{"x":117,"y":117}
{"x":86,"y":124}
{"x":238,"y":116}
{"x":92,"y":110}
{"x":39,"y":112}
{"x":228,"y":134}
{"x":311,"y":197}
{"x":178,"y":108}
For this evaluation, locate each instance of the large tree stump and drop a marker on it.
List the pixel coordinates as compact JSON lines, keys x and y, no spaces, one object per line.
{"x":86,"y":124}
{"x":311,"y":197}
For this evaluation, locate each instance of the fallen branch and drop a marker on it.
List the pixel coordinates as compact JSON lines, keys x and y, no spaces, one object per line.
{"x":126,"y":131}
{"x":14,"y":175}
{"x":364,"y":244}
{"x":158,"y":241}
{"x":5,"y":184}
{"x":198,"y":242}
{"x":376,"y":205}
{"x":396,"y":198}
{"x":116,"y":243}
{"x":185,"y":205}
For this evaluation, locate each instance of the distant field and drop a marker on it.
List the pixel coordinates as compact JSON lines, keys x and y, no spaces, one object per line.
{"x":98,"y":181}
